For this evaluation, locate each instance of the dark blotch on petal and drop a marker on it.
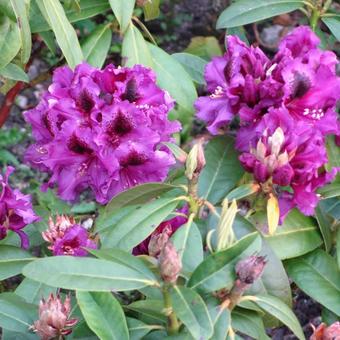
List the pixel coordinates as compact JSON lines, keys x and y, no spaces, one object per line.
{"x":300,"y":86}
{"x":85,"y":101}
{"x":133,"y":159}
{"x":130,"y":93}
{"x":47,"y":122}
{"x":122,"y":124}
{"x":228,"y":70}
{"x":78,"y":146}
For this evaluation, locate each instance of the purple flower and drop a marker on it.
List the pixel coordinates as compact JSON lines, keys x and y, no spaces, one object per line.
{"x":68,"y":238}
{"x":102,"y":130}
{"x":15,"y":210}
{"x":168,"y":227}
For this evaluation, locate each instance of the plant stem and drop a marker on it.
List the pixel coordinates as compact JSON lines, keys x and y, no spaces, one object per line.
{"x":173,"y":325}
{"x":314,"y":18}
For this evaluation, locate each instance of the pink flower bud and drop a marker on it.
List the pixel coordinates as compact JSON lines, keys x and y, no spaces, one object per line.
{"x":54,"y":318}
{"x":250,"y":269}
{"x":158,"y":241}
{"x":170,"y":263}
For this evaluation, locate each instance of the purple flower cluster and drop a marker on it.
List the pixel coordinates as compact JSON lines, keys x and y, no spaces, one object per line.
{"x":285,"y":107}
{"x":15,"y":210}
{"x":102,"y":129}
{"x":66,"y":237}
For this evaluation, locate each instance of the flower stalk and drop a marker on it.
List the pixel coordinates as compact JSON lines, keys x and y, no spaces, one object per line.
{"x":173,"y":324}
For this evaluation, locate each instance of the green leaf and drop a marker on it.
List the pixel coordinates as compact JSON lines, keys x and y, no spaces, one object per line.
{"x":222,"y":171}
{"x":243,"y":191}
{"x":218,"y":270}
{"x":126,"y":259}
{"x":244,"y":12}
{"x":85,"y":274}
{"x":49,"y":40}
{"x":135,"y":49}
{"x":150,"y":308}
{"x":12,"y":260}
{"x":334,"y":26}
{"x":9,"y":40}
{"x":192,"y":311}
{"x":338,"y":247}
{"x":179,"y":154}
{"x":97,"y":45}
{"x":83,"y":208}
{"x":281,"y":311}
{"x":333,"y":153}
{"x":193,"y":65}
{"x":88,"y":9}
{"x":65,"y":34}
{"x":139,"y":329}
{"x":249,"y":323}
{"x":325,"y":223}
{"x":318,"y":276}
{"x":330,"y":190}
{"x":220,"y":318}
{"x":16,"y":314}
{"x":204,"y":47}
{"x":103,"y":314}
{"x":151,"y":9}
{"x":297,"y":235}
{"x":13,"y":71}
{"x":137,"y":226}
{"x":188,"y":242}
{"x":122,"y":9}
{"x":33,"y":291}
{"x":240,"y":32}
{"x":21,"y":8}
{"x":168,"y":71}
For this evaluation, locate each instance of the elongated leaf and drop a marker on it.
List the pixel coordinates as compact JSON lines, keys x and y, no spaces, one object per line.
{"x":103,"y":314}
{"x":168,"y":71}
{"x":88,"y":9}
{"x":245,"y":12}
{"x":13,"y":71}
{"x":333,"y":153}
{"x":193,"y":65}
{"x":97,"y":45}
{"x":218,"y":270}
{"x":338,"y":247}
{"x":122,"y":9}
{"x":85,"y":274}
{"x":281,"y":311}
{"x":334,"y":25}
{"x":9,"y":40}
{"x":33,"y":291}
{"x":222,"y":171}
{"x":192,"y":311}
{"x":16,"y":314}
{"x":188,"y":242}
{"x":135,"y":49}
{"x":298,"y":234}
{"x":126,"y":259}
{"x":65,"y":34}
{"x":220,"y":318}
{"x":137,"y":226}
{"x":318,"y":276}
{"x":151,"y":9}
{"x":12,"y":260}
{"x":139,"y":329}
{"x":152,"y":309}
{"x":180,"y":154}
{"x":330,"y":190}
{"x":204,"y":47}
{"x":325,"y":223}
{"x":243,"y":191}
{"x":49,"y":40}
{"x":21,"y":8}
{"x":273,"y":213}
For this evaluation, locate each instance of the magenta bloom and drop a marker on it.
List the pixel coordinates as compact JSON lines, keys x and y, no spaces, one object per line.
{"x":68,"y":238}
{"x":102,"y":130}
{"x":169,"y":227}
{"x":15,"y":210}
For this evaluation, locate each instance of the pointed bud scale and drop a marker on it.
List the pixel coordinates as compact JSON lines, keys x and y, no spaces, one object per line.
{"x":250,"y":269}
{"x":195,"y":161}
{"x":54,"y":318}
{"x":158,"y":241}
{"x":170,"y":263}
{"x":273,"y":213}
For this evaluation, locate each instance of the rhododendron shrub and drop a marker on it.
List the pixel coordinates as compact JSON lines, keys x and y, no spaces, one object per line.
{"x":192,"y":195}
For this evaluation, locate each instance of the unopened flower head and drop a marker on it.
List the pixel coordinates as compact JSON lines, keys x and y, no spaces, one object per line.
{"x":102,"y":130}
{"x":15,"y":210}
{"x":54,"y":318}
{"x":250,"y":269}
{"x":67,"y":238}
{"x":170,"y":263}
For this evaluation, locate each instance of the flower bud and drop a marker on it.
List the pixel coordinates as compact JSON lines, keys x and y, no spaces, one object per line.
{"x":158,"y":241}
{"x":54,"y":318}
{"x":322,"y":332}
{"x":170,"y":263}
{"x":250,"y":269}
{"x":195,"y":161}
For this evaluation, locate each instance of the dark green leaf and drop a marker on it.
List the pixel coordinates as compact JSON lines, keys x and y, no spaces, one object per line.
{"x":103,"y":314}
{"x":220,"y":318}
{"x":139,"y":329}
{"x":9,"y":40}
{"x":122,"y":9}
{"x":204,"y":47}
{"x":85,"y":274}
{"x":245,"y":12}
{"x":218,"y":270}
{"x":21,"y":9}
{"x":13,"y":71}
{"x":192,"y":311}
{"x":65,"y":34}
{"x":12,"y":260}
{"x":180,"y":154}
{"x":152,"y":309}
{"x":49,"y":40}
{"x":243,"y":191}
{"x":334,"y":26}
{"x":193,"y":65}
{"x":83,"y":208}
{"x":97,"y":45}
{"x":151,"y":9}
{"x":222,"y":171}
{"x":318,"y":276}
{"x":325,"y":223}
{"x":240,"y":32}
{"x":333,"y":153}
